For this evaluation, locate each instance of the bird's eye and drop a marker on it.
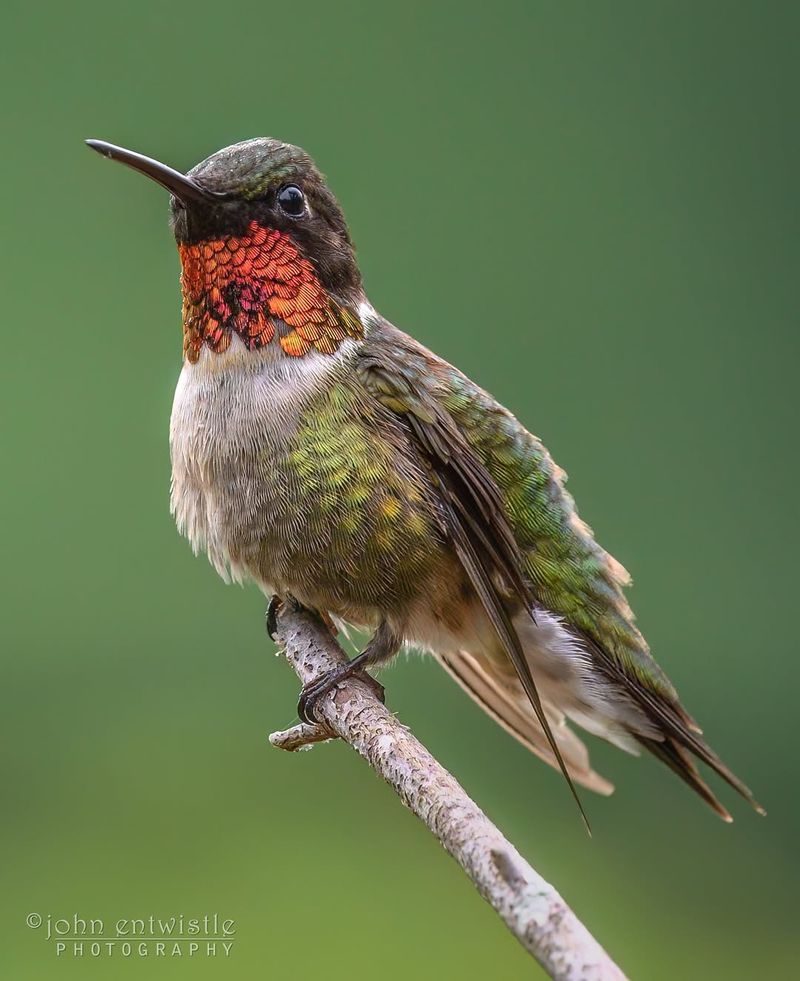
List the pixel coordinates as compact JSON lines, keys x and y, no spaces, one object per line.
{"x":292,"y":200}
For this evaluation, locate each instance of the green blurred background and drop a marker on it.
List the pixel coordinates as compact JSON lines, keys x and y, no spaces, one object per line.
{"x":592,"y":209}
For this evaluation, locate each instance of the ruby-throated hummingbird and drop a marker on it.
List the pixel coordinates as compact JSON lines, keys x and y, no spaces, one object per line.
{"x":324,"y":454}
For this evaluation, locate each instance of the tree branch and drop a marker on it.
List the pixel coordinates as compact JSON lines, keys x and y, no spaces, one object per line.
{"x":529,"y":906}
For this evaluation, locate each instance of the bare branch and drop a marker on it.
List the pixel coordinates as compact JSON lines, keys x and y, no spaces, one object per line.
{"x":301,"y":737}
{"x":529,"y":906}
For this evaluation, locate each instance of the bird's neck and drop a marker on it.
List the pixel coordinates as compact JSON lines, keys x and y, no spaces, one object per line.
{"x":260,"y":287}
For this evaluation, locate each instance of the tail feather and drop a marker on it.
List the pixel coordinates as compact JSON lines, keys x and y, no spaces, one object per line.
{"x":681,"y":736}
{"x":669,"y":733}
{"x":705,"y":753}
{"x":680,"y":762}
{"x":680,"y":741}
{"x":503,"y":699}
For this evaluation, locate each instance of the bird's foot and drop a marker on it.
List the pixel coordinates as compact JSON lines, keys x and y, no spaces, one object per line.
{"x":312,"y":693}
{"x":273,"y":609}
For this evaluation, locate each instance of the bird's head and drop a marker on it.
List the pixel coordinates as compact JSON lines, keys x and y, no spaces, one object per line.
{"x":265,"y":251}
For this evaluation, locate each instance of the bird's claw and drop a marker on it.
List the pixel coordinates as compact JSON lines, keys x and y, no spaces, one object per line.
{"x":309,"y":697}
{"x":272,"y":617}
{"x":314,"y":691}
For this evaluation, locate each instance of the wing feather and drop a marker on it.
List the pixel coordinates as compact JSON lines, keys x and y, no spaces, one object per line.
{"x":473,"y":517}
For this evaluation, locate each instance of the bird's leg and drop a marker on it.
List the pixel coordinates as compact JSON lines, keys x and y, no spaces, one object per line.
{"x":384,"y":644}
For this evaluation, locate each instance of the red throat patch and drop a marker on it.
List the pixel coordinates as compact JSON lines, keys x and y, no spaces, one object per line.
{"x":261,"y":287}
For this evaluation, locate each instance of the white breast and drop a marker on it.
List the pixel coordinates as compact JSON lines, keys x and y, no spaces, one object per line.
{"x":228,"y":409}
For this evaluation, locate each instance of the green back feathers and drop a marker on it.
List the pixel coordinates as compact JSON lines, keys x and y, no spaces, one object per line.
{"x":571,"y":574}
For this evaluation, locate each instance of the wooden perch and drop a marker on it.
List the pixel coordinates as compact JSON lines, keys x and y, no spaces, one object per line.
{"x":529,"y":906}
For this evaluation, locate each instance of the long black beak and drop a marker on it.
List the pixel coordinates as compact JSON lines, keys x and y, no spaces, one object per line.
{"x":183,"y":187}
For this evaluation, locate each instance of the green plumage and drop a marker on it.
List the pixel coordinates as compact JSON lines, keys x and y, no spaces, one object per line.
{"x":571,"y":574}
{"x":333,"y":458}
{"x":452,"y":424}
{"x":368,"y":516}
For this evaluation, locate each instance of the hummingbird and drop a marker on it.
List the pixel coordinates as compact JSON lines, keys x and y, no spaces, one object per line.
{"x":322,"y":453}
